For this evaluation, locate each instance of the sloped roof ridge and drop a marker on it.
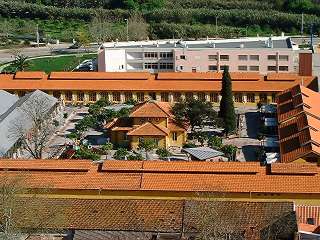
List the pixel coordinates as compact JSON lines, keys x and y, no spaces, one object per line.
{"x":149,"y":101}
{"x":143,"y":125}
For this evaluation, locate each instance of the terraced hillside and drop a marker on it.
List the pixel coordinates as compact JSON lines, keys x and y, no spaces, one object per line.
{"x":64,"y":19}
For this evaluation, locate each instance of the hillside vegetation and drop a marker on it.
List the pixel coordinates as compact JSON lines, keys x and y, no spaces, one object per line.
{"x":64,"y":19}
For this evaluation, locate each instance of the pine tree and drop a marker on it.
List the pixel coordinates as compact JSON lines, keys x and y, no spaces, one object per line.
{"x":227,"y":112}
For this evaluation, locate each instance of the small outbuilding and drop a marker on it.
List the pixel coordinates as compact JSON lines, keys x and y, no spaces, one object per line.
{"x":204,"y":154}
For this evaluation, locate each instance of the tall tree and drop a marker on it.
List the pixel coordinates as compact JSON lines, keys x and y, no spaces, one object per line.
{"x":138,"y":28}
{"x":195,"y":113}
{"x":227,"y":112}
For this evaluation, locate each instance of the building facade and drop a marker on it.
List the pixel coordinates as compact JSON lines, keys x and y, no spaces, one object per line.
{"x":149,"y":120}
{"x":117,"y":87}
{"x":263,"y":55}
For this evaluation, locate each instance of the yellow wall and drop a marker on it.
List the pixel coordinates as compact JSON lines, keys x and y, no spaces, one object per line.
{"x":181,"y":139}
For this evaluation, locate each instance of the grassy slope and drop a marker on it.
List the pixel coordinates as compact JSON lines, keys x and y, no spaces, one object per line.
{"x":50,"y":64}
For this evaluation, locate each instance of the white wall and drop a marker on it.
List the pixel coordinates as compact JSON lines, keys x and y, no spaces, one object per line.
{"x":115,"y":60}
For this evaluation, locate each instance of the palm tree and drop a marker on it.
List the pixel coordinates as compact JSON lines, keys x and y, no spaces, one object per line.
{"x":21,"y":62}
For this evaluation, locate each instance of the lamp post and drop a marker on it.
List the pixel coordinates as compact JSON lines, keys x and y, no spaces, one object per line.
{"x":127,"y":21}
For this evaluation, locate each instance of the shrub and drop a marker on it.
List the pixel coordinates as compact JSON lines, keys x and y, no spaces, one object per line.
{"x":163,"y":153}
{"x":215,"y":142}
{"x":65,"y":115}
{"x":55,"y":123}
{"x":137,"y":156}
{"x":189,"y":145}
{"x":121,"y":154}
{"x":229,"y":151}
{"x":84,"y":153}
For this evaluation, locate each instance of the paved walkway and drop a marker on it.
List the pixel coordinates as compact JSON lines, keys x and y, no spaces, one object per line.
{"x":247,"y":142}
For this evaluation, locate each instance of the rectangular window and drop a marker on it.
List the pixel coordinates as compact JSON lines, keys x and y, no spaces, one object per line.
{"x":164,"y":97}
{"x":224,"y":57}
{"x":68,"y":95}
{"x":183,"y":57}
{"x":254,"y":68}
{"x":243,"y":57}
{"x":284,"y":57}
{"x":151,"y":55}
{"x":263,"y":97}
{"x":272,"y":57}
{"x":214,"y":97}
{"x":166,"y":65}
{"x":80,"y":96}
{"x":92,"y":97}
{"x":151,"y":65}
{"x":176,"y":97}
{"x":238,"y":97}
{"x":166,"y":55}
{"x":250,"y":97}
{"x":140,"y":96}
{"x":222,"y":67}
{"x":272,"y":68}
{"x":116,"y":96}
{"x":213,"y":57}
{"x":242,"y":68}
{"x":189,"y":95}
{"x":128,"y":96}
{"x":104,"y":95}
{"x":181,"y":67}
{"x":174,"y":136}
{"x":194,"y":69}
{"x":202,"y":96}
{"x":254,"y":57}
{"x":213,"y":68}
{"x":284,"y":68}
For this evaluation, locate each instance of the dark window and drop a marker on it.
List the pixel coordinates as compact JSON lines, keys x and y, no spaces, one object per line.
{"x":272,"y":57}
{"x":310,"y":221}
{"x":284,"y":68}
{"x":224,"y":57}
{"x":183,"y":57}
{"x":213,"y":68}
{"x":272,"y":68}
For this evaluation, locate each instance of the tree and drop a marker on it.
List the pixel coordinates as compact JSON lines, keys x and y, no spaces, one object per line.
{"x":227,"y":112}
{"x":107,"y":148}
{"x":194,"y":113}
{"x":229,"y":151}
{"x":137,"y":26}
{"x":83,"y":39}
{"x":33,"y":128}
{"x":147,"y":144}
{"x":20,"y":215}
{"x":20,"y":62}
{"x":215,"y":142}
{"x":6,"y":28}
{"x":163,"y":153}
{"x":121,"y":154}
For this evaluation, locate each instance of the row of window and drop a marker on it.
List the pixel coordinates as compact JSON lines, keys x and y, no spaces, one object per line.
{"x":166,"y":55}
{"x":164,"y":96}
{"x":163,"y":65}
{"x":244,"y":57}
{"x":248,"y":68}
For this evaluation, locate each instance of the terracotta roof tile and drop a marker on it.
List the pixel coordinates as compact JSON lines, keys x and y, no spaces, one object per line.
{"x":30,"y":75}
{"x":150,"y":109}
{"x":103,"y":82}
{"x":299,"y":124}
{"x":149,"y":129}
{"x":168,"y":176}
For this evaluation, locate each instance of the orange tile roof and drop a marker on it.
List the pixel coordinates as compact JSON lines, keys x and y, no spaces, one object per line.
{"x":163,"y":177}
{"x":299,"y":124}
{"x":30,"y":75}
{"x":149,"y":129}
{"x":121,"y":82}
{"x":151,"y":109}
{"x":151,"y":215}
{"x":281,"y":77}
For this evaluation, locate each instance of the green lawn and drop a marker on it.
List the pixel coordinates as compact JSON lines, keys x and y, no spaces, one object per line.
{"x":56,"y":64}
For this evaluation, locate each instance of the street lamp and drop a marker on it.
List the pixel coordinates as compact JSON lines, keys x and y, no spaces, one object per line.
{"x":127,"y":29}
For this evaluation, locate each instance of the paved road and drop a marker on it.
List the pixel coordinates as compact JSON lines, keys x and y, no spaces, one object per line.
{"x":6,"y":55}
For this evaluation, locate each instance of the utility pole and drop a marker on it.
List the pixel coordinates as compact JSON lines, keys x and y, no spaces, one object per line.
{"x":216,"y":27}
{"x":127,"y":29}
{"x":37,"y":35}
{"x":302,"y":23}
